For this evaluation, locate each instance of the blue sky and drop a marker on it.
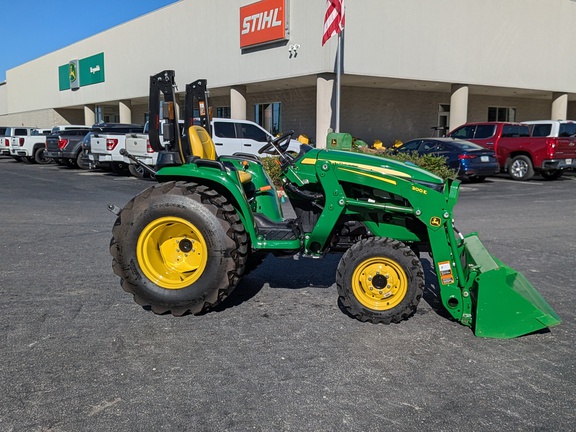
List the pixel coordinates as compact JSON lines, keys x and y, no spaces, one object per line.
{"x":32,"y":28}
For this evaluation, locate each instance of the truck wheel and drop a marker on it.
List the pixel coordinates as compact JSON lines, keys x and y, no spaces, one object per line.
{"x":179,"y":247}
{"x":137,"y":171}
{"x":81,"y":162}
{"x":520,"y":168}
{"x":40,"y":158}
{"x":551,"y":174}
{"x":380,"y":280}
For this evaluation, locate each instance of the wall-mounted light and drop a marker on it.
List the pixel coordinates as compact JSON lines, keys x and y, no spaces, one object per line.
{"x":293,"y":50}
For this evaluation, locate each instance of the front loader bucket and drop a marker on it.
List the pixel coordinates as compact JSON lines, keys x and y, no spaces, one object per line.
{"x":505,"y":304}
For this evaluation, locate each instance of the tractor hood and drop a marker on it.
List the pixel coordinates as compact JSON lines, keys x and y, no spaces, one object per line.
{"x":389,"y":167}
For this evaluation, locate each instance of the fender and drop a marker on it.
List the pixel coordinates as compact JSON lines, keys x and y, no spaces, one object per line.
{"x":225,"y":182}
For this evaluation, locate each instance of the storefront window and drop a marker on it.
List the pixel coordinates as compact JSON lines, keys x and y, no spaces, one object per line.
{"x":223,"y":112}
{"x":106,"y":114}
{"x":268,"y":116}
{"x":504,"y":114}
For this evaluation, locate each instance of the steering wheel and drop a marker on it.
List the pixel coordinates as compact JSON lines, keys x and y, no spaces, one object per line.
{"x":277,"y":145}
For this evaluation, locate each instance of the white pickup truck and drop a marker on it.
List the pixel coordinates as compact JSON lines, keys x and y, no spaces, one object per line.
{"x":138,"y":145}
{"x":105,"y":146}
{"x":229,"y":135}
{"x":8,"y":134}
{"x":29,"y":147}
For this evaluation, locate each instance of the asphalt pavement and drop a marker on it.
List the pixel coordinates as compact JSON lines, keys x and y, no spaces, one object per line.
{"x":77,"y":354}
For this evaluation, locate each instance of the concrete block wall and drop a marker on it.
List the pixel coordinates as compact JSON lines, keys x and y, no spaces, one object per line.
{"x":44,"y":118}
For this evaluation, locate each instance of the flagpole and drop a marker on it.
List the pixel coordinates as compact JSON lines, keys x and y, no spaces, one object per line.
{"x":338,"y":73}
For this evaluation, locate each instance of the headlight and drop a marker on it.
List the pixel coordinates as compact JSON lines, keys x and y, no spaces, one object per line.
{"x":438,"y":187}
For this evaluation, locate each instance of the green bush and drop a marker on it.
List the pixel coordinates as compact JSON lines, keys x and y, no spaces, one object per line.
{"x":435,"y":164}
{"x":272,"y":167}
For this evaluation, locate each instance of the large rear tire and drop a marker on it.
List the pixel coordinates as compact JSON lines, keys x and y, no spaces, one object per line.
{"x":179,"y":247}
{"x":380,"y":280}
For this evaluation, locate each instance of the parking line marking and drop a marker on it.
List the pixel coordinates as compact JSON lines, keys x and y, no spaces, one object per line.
{"x":496,"y":179}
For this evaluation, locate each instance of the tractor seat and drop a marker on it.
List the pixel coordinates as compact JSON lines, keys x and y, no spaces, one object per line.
{"x":204,"y":148}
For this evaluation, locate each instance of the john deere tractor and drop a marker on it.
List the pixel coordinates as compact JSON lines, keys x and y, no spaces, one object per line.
{"x":182,"y":245}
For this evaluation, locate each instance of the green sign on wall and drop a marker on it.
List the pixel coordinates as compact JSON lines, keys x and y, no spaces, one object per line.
{"x":86,"y":71}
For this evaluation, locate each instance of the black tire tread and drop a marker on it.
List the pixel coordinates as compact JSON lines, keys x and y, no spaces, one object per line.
{"x":226,"y":214}
{"x":362,"y":314}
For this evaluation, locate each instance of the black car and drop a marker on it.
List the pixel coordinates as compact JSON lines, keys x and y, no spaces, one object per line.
{"x":472,"y":161}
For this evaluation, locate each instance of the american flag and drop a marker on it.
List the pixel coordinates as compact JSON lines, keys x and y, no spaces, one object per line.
{"x":333,"y":19}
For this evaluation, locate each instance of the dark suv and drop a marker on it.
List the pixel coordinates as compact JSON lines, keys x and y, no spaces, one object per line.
{"x":65,"y":147}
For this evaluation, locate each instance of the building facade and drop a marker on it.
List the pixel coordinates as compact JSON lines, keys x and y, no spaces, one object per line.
{"x":409,"y":68}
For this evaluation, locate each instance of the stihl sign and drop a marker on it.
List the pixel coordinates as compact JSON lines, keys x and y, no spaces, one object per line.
{"x":263,"y":22}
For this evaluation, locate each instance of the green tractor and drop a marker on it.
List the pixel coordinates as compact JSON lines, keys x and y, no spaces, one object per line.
{"x":182,"y":245}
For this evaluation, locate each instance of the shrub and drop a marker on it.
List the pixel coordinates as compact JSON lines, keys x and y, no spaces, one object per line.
{"x":272,"y":167}
{"x":434,"y":164}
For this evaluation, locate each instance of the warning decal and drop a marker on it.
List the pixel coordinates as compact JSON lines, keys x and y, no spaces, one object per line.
{"x":446,"y":275}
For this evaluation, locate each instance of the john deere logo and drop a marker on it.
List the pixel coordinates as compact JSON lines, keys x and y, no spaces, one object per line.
{"x":79,"y":73}
{"x":72,"y":72}
{"x":435,"y":221}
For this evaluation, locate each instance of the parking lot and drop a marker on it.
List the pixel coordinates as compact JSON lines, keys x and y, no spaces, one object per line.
{"x":278,"y":355}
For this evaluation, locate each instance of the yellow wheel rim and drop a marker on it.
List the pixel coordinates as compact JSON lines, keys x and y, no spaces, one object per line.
{"x":379,"y":283}
{"x":172,"y":252}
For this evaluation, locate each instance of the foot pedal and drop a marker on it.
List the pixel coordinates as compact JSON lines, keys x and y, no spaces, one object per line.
{"x":270,"y":230}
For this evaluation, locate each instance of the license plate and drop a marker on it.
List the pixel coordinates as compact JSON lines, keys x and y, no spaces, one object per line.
{"x":568,"y":161}
{"x":484,"y":158}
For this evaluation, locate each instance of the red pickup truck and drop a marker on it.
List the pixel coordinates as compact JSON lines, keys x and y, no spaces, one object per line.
{"x":521,"y":152}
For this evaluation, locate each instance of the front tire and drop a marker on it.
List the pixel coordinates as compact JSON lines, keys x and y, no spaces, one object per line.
{"x":380,"y":280}
{"x":179,"y":247}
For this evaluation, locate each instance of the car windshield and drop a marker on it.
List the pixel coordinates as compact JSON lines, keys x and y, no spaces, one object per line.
{"x":409,"y":146}
{"x":467,"y":146}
